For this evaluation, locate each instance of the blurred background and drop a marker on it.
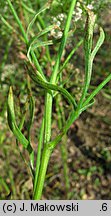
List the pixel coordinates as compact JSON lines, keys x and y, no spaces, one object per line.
{"x":89,"y":138}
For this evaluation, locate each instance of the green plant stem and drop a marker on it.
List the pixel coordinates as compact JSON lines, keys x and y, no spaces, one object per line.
{"x":48,"y":110}
{"x":38,"y":187}
{"x":75,"y":114}
{"x":36,"y":63}
{"x":48,"y":118}
{"x":63,"y":145}
{"x":96,"y":91}
{"x":42,"y":173}
{"x":63,"y":42}
{"x":64,"y":156}
{"x":39,"y":150}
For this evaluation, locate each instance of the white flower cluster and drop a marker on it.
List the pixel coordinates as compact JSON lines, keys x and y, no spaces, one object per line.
{"x":77,"y":14}
{"x":98,"y":4}
{"x":56,"y":32}
{"x":90,"y":6}
{"x":61,"y":16}
{"x":59,"y":19}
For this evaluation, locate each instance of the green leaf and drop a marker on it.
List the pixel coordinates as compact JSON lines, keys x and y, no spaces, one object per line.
{"x":13,"y":126}
{"x":87,"y":106}
{"x":7,"y":24}
{"x":89,"y":29}
{"x":18,"y":21}
{"x":35,"y":76}
{"x":42,"y":32}
{"x":31,"y":110}
{"x":96,"y":91}
{"x":12,"y":122}
{"x":36,"y":45}
{"x":27,"y":8}
{"x":42,"y":44}
{"x":39,"y":152}
{"x":99,"y":43}
{"x":75,"y":114}
{"x":10,"y":109}
{"x":46,"y":6}
{"x":70,"y":55}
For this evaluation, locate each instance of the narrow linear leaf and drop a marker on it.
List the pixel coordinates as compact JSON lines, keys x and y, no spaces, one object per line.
{"x":44,"y":31}
{"x":18,"y":21}
{"x":27,"y":8}
{"x":37,"y":78}
{"x":48,"y":86}
{"x":63,"y":42}
{"x":30,"y":166}
{"x":99,"y":43}
{"x":7,"y":23}
{"x":75,"y":114}
{"x":23,"y":119}
{"x":31,"y":110}
{"x":12,"y":123}
{"x":54,"y":142}
{"x":62,"y":83}
{"x":96,"y":91}
{"x":46,"y":6}
{"x":39,"y":151}
{"x":10,"y":106}
{"x":87,"y":106}
{"x":20,"y":137}
{"x":89,"y":29}
{"x":38,"y":44}
{"x":70,"y":55}
{"x":41,"y":44}
{"x":106,"y":95}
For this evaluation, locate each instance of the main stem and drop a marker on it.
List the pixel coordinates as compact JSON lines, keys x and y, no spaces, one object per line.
{"x":42,"y":173}
{"x":48,"y":111}
{"x":46,"y":150}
